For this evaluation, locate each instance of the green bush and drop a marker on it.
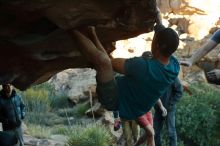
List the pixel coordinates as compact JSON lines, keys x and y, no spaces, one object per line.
{"x":66,"y":112}
{"x":41,"y":103}
{"x":36,"y":100}
{"x":46,"y":93}
{"x":90,"y":135}
{"x":44,"y":118}
{"x":43,"y":98}
{"x":77,"y":111}
{"x":39,"y":131}
{"x":198,"y":116}
{"x":60,"y":129}
{"x":165,"y":137}
{"x":57,"y":102}
{"x":80,"y":109}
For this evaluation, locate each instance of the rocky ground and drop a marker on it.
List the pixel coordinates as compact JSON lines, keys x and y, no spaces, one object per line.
{"x":56,"y":140}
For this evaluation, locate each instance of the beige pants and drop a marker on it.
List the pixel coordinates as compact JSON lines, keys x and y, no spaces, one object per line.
{"x":131,"y":132}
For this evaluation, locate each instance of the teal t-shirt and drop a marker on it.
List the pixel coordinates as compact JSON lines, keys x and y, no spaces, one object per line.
{"x":145,"y":80}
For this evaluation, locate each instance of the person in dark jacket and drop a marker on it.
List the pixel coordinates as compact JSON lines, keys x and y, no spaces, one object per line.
{"x":11,"y":111}
{"x":169,"y":100}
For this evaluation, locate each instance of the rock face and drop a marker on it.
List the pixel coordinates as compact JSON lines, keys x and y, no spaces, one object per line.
{"x":74,"y":83}
{"x":192,"y":16}
{"x":33,"y":34}
{"x":195,"y":21}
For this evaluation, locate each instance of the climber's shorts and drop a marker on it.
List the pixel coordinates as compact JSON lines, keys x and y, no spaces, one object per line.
{"x":108,"y":95}
{"x":145,"y":120}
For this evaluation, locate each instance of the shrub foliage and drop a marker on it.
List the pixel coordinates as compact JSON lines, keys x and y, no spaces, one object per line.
{"x":90,"y":135}
{"x":198,"y":116}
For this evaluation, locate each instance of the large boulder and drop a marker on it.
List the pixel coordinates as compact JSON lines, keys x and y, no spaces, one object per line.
{"x":192,"y":16}
{"x":74,"y":83}
{"x":194,"y":75}
{"x":34,"y":41}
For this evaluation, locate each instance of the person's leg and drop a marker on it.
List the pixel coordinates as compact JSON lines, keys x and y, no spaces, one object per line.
{"x":172,"y":128}
{"x":148,"y":137}
{"x":127,"y":132}
{"x":117,"y":121}
{"x":150,"y":141}
{"x":146,"y":122}
{"x":135,"y":130}
{"x":116,"y":114}
{"x":158,"y":126}
{"x":98,"y":57}
{"x":106,"y":85}
{"x":19,"y":133}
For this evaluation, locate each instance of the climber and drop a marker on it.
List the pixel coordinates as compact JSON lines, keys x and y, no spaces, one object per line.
{"x":144,"y":80}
